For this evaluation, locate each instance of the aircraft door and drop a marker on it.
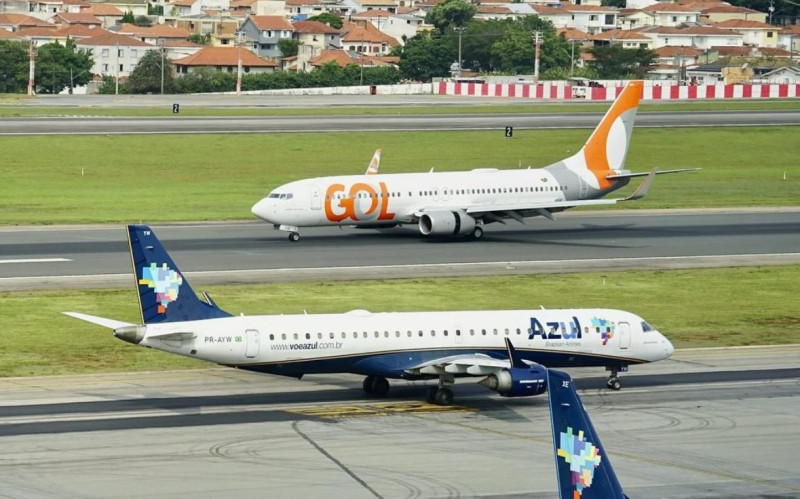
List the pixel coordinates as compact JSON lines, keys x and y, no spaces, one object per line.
{"x":584,"y":191}
{"x":624,"y":335}
{"x":316,"y":200}
{"x":252,"y":345}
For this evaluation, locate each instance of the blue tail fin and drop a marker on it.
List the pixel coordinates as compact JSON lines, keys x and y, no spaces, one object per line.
{"x":584,"y":471}
{"x":164,"y":294}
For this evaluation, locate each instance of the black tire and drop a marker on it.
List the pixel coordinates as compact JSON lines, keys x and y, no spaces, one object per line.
{"x":444,"y":396}
{"x":294,"y":237}
{"x":430,"y":394}
{"x":380,"y":387}
{"x":368,"y":383}
{"x":615,"y":384}
{"x":477,"y":233}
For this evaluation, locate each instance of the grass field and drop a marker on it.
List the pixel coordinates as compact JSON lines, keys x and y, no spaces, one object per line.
{"x":14,"y":110}
{"x":54,"y":179}
{"x":710,"y":307}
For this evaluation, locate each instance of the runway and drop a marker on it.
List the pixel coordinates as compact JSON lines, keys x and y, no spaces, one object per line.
{"x":43,"y":257}
{"x":708,"y":423}
{"x":369,"y":123}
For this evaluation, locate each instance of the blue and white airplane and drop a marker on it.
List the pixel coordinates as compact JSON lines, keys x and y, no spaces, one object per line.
{"x":379,"y":346}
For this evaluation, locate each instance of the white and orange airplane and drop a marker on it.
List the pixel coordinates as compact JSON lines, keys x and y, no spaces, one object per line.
{"x":461,"y":203}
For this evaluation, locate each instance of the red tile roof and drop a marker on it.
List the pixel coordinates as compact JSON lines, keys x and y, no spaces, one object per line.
{"x":673,"y":51}
{"x":546,"y":10}
{"x":621,"y":34}
{"x":744,"y":24}
{"x":669,"y":7}
{"x":158,"y":31}
{"x":72,"y":31}
{"x":343,"y":58}
{"x":104,"y":9}
{"x":271,"y":23}
{"x":21,"y":20}
{"x":5,"y":34}
{"x":114,"y":39}
{"x":728,"y":9}
{"x":366,"y":32}
{"x":587,"y":8}
{"x":224,"y":56}
{"x":314,"y":27}
{"x":77,"y":18}
{"x":706,"y":31}
{"x":573,"y":34}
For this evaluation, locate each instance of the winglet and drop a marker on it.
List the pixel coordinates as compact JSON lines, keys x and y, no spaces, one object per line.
{"x":641,"y":191}
{"x":582,"y":465}
{"x":513,"y":356}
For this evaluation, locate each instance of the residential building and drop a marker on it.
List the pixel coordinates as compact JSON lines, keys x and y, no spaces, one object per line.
{"x":135,"y":7}
{"x":344,"y":58}
{"x":224,"y":59}
{"x":670,"y":14}
{"x":154,"y":35}
{"x":16,"y":22}
{"x":706,"y":37}
{"x":723,"y":12}
{"x":314,"y":38}
{"x":83,"y":18}
{"x":755,"y":33}
{"x":361,"y":36}
{"x":113,"y":54}
{"x":41,"y":36}
{"x":399,"y":26}
{"x":591,"y":18}
{"x":108,"y":14}
{"x":263,"y":33}
{"x":629,"y":39}
{"x":559,"y":17}
{"x":300,"y":10}
{"x":789,"y":38}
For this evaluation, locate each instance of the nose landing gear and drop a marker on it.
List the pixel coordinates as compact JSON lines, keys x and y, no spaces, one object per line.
{"x":613,"y":382}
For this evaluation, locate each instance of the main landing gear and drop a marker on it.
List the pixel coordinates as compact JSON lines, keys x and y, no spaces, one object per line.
{"x":294,"y":236}
{"x":441,"y":395}
{"x":376,"y":385}
{"x":477,"y":233}
{"x":613,"y":382}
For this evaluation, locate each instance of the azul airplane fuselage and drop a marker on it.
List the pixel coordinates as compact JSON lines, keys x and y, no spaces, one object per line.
{"x":394,"y":345}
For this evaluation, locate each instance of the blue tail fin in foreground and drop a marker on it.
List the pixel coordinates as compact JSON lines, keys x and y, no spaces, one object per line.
{"x":584,"y":471}
{"x":164,"y":294}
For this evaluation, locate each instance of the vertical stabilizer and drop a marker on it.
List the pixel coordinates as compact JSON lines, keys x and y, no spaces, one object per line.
{"x":605,"y":151}
{"x":582,"y":465}
{"x":375,"y":164}
{"x":164,"y":294}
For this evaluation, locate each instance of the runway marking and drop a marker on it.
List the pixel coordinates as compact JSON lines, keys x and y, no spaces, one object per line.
{"x":379,"y":409}
{"x":36,"y":260}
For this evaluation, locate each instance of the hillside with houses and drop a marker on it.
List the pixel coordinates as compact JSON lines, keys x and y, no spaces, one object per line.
{"x":688,"y":40}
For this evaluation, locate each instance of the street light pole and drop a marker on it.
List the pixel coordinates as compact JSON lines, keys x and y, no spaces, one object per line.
{"x":572,"y":59}
{"x":460,"y":30}
{"x":162,"y":66}
{"x":239,"y":64}
{"x":537,"y":35}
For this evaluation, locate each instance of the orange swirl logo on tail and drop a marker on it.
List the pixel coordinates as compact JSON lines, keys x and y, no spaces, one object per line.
{"x":609,"y":140}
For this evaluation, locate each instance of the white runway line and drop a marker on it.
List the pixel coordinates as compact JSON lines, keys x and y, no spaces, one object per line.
{"x":36,"y":260}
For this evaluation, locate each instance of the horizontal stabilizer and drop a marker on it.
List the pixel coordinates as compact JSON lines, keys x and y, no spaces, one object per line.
{"x":100,"y":321}
{"x":643,"y":174}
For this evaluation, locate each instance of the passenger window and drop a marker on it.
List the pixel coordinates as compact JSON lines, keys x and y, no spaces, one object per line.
{"x":331,"y":336}
{"x":495,"y":332}
{"x":377,"y":334}
{"x":420,"y":333}
{"x":409,"y":334}
{"x":386,"y":334}
{"x":319,"y":336}
{"x":283,"y":336}
{"x":444,"y":332}
{"x":458,"y":332}
{"x":472,"y":332}
{"x":483,"y":332}
{"x":295,"y":335}
{"x":518,"y":331}
{"x":271,"y":337}
{"x":366,"y":334}
{"x":397,"y":334}
{"x":433,"y":333}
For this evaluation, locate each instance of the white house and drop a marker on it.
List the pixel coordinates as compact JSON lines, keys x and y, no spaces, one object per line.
{"x":113,"y":54}
{"x":789,"y":38}
{"x":671,"y":14}
{"x":400,"y":27}
{"x":754,"y":33}
{"x":591,"y":18}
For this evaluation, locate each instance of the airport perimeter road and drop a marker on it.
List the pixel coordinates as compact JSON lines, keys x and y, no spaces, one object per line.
{"x":713,"y":423}
{"x":120,"y":125}
{"x":92,"y":256}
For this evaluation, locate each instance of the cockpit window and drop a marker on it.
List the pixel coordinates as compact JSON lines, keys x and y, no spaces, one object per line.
{"x":646,"y":327}
{"x":276,"y":195}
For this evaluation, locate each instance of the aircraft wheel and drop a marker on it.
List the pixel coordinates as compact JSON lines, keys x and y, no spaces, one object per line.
{"x":444,"y":396}
{"x":380,"y":387}
{"x":430,"y":394}
{"x":477,"y":233}
{"x":369,"y":382}
{"x":294,"y":237}
{"x":614,"y":383}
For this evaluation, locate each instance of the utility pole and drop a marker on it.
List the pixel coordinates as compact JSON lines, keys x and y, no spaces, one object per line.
{"x":572,"y":59}
{"x":162,"y":66}
{"x":537,"y":40}
{"x":460,"y":30}
{"x":239,"y":64}
{"x":361,"y":59}
{"x":116,"y":70}
{"x":31,"y":66}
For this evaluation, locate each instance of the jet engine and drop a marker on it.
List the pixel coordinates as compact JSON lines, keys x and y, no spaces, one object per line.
{"x":518,"y":381}
{"x":446,"y":223}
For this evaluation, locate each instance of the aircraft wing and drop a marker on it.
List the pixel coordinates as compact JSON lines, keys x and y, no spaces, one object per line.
{"x":470,"y":364}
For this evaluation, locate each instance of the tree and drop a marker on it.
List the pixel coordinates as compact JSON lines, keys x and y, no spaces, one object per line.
{"x":13,"y":66}
{"x":424,"y":58}
{"x":146,"y":76}
{"x":127,"y":18}
{"x":200,"y":39}
{"x":456,"y":13}
{"x":613,"y":61}
{"x":62,"y":66}
{"x":142,"y":21}
{"x":328,"y":18}
{"x":288,"y":47}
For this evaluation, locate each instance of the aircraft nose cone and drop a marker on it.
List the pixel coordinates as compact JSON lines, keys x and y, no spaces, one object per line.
{"x":260,"y":210}
{"x":669,"y":348}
